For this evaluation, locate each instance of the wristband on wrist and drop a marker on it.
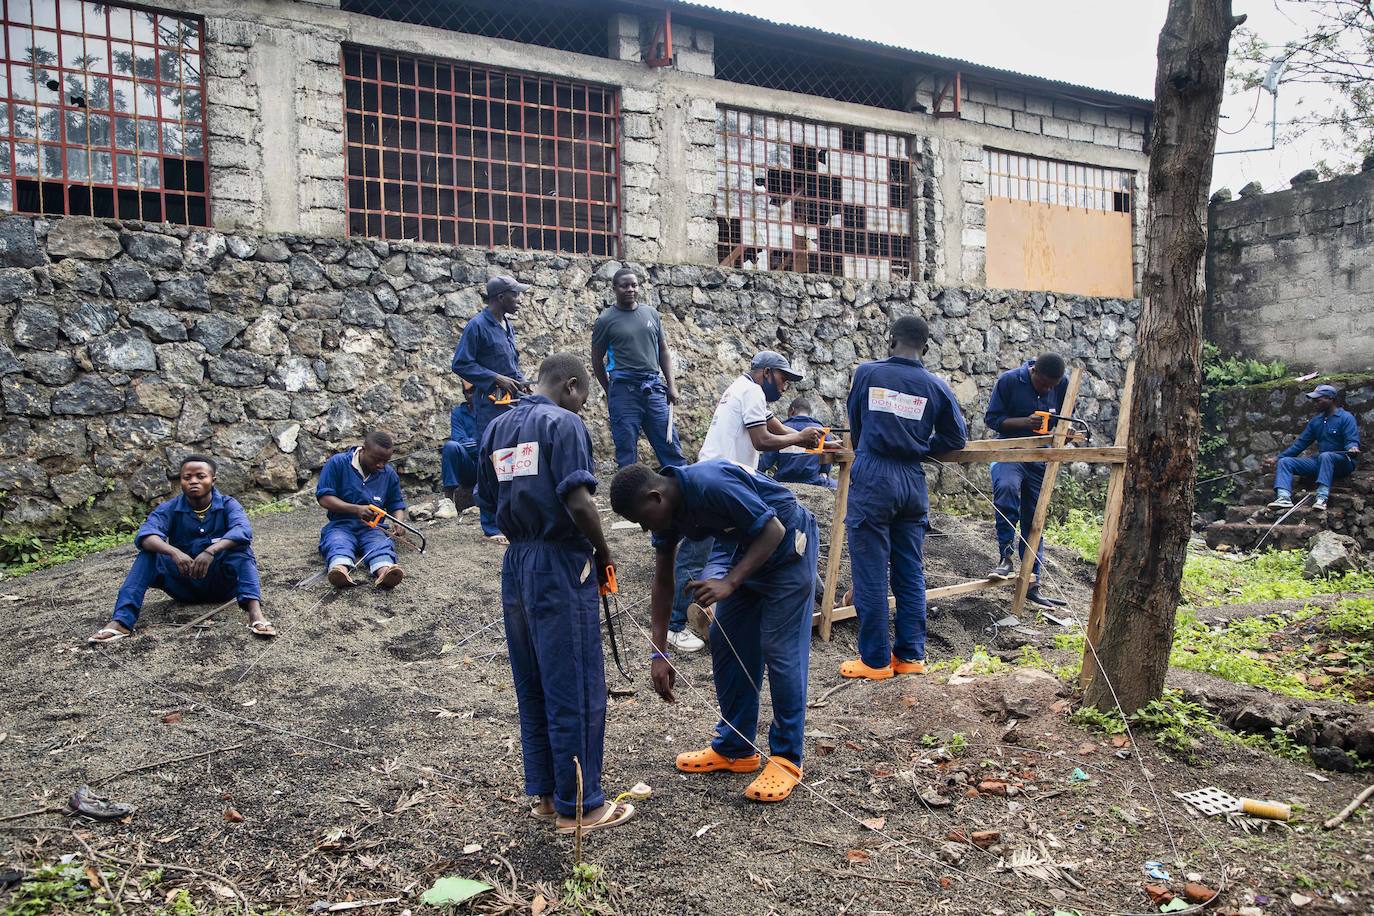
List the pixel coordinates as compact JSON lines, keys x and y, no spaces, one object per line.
{"x":655,"y":655}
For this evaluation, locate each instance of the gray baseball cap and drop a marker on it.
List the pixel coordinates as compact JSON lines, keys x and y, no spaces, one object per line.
{"x":770,"y":359}
{"x":1323,"y":391}
{"x":498,"y":285}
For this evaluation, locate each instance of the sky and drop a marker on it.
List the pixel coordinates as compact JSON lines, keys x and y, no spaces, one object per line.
{"x":1105,"y":44}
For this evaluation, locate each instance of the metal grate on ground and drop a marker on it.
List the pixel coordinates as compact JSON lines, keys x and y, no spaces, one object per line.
{"x":549,"y":25}
{"x":807,"y":71}
{"x":1052,"y":181}
{"x":471,"y":155}
{"x":803,"y":196}
{"x":102,"y":112}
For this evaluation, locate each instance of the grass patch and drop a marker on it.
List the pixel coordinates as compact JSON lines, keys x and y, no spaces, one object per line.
{"x":1210,"y":580}
{"x":1080,"y":530}
{"x":1352,"y":617}
{"x":61,"y":887}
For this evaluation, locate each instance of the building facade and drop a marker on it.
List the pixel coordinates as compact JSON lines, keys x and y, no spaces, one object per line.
{"x":651,"y":131}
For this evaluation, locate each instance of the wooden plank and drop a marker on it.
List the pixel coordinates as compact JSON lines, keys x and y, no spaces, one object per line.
{"x":982,"y":445}
{"x":846,"y":611}
{"x":1042,"y":505}
{"x":1093,"y":454}
{"x":837,"y":533}
{"x":1111,"y":527}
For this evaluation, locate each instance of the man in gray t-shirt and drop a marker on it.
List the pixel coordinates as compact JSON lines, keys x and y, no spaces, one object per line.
{"x":628,"y":340}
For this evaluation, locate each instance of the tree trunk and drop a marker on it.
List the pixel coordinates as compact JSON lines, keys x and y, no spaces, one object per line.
{"x":1156,"y":517}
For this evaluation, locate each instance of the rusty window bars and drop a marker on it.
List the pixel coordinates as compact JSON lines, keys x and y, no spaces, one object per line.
{"x":1017,"y":176}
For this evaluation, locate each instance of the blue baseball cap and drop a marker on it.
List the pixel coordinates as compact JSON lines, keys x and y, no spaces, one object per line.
{"x":1323,"y":391}
{"x":771,"y":359}
{"x":498,"y":285}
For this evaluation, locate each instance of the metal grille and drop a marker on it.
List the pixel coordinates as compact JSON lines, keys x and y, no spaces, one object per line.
{"x":810,"y":197}
{"x":469,"y":155}
{"x":1050,"y":181}
{"x":526,"y":21}
{"x":102,"y":112}
{"x":807,"y":71}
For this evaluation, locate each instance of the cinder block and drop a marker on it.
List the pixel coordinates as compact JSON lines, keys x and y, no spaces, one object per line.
{"x":997,"y":117}
{"x":637,"y":126}
{"x":636,"y":175}
{"x":1093,"y":115}
{"x":235,"y":185}
{"x":230,"y":122}
{"x":1007,"y":98}
{"x":1107,"y":136}
{"x":234,"y":154}
{"x":972,"y":111}
{"x":1131,"y":141}
{"x":702,"y":109}
{"x":984,"y":95}
{"x":703,"y":40}
{"x":237,"y":33}
{"x":638,"y":100}
{"x":638,"y":152}
{"x":1037,"y":104}
{"x":1080,"y":131}
{"x":1029,"y":123}
{"x":231,"y":93}
{"x":974,"y":238}
{"x":1054,"y":127}
{"x":973,"y":172}
{"x":692,"y":61}
{"x":1069,"y":111}
{"x":641,"y":225}
{"x":1119,"y":119}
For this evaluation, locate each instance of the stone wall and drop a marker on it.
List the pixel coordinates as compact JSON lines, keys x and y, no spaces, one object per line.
{"x":124,"y":346}
{"x":1290,"y":275}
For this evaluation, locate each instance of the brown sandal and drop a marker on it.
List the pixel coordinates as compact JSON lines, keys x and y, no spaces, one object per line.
{"x":614,"y":815}
{"x":776,"y":782}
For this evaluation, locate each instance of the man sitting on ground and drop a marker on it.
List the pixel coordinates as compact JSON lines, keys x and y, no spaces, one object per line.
{"x":196,"y":549}
{"x":1337,"y":438}
{"x":795,"y":464}
{"x":353,"y":485}
{"x":761,"y":576}
{"x":458,"y":457}
{"x":536,"y":475}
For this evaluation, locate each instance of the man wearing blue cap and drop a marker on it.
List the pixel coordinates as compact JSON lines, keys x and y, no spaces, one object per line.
{"x":487,"y":358}
{"x":1337,"y":438}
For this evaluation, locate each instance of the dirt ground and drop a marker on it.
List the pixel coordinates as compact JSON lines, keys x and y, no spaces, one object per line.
{"x":374,"y":747}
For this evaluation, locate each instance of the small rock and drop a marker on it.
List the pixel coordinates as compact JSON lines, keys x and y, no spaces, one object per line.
{"x":985,"y":838}
{"x":75,"y":237}
{"x":935,"y":799}
{"x":1330,"y":554}
{"x":1299,"y":899}
{"x":1306,"y":176}
{"x":445,"y":509}
{"x":152,"y":248}
{"x":992,"y":787}
{"x":1252,"y":189}
{"x":421,"y":513}
{"x":1158,"y":893}
{"x":953,"y":853}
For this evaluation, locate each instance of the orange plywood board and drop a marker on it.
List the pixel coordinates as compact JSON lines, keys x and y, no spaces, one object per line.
{"x":1059,"y":249}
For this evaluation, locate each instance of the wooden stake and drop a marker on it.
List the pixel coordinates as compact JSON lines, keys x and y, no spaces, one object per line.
{"x":837,"y":533}
{"x":1349,"y":809}
{"x":1042,"y":506}
{"x":1111,"y":526}
{"x":577,"y":834}
{"x":206,"y":616}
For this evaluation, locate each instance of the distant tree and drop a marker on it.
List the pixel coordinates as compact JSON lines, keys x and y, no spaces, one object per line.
{"x":1336,"y":51}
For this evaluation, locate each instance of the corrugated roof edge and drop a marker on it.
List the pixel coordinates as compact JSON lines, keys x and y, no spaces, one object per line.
{"x":707,"y":12}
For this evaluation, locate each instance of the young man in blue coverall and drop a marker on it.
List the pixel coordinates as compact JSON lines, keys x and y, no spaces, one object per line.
{"x":196,"y":548}
{"x":898,"y":414}
{"x":795,"y":464}
{"x":640,"y":390}
{"x":458,"y":456}
{"x":486,"y":357}
{"x":761,"y":577}
{"x":1337,"y":438}
{"x":1038,"y":385}
{"x":536,"y":473}
{"x":351,"y":484}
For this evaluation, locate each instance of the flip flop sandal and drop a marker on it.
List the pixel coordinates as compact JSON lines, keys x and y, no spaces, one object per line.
{"x":550,"y":815}
{"x":262,"y":628}
{"x":614,"y":815}
{"x":776,"y":782}
{"x":339,"y":577}
{"x":390,"y":577}
{"x":100,"y":636}
{"x":707,"y":760}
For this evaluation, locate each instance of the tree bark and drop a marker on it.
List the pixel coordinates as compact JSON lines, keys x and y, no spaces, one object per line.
{"x":1146,"y":567}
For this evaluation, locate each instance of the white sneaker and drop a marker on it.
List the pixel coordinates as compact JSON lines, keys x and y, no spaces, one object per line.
{"x":445,"y":508}
{"x":1281,"y":502}
{"x":684,"y":641}
{"x":1320,"y":504}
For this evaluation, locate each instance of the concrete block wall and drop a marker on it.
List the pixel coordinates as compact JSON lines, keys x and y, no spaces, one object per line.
{"x":1290,"y":275}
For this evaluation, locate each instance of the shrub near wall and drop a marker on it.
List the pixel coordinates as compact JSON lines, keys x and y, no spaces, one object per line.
{"x":126,"y":345}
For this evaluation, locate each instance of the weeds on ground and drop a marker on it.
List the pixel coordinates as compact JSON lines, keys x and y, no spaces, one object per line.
{"x":585,"y":891}
{"x":1352,"y":617}
{"x":20,"y":555}
{"x":58,"y":887}
{"x":981,"y":663}
{"x":1210,"y":580}
{"x":1079,"y":530}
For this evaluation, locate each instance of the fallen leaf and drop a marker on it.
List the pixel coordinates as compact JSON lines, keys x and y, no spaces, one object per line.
{"x":857,"y":855}
{"x":252,"y":702}
{"x":470,"y":848}
{"x":538,"y":905}
{"x":1299,"y":899}
{"x":875,"y":823}
{"x":172,"y":718}
{"x":1198,"y":893}
{"x":453,"y":890}
{"x":233,"y":816}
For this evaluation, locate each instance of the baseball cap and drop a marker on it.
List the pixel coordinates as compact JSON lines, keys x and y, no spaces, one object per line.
{"x":498,"y":285}
{"x":1323,"y":391}
{"x":769,"y":359}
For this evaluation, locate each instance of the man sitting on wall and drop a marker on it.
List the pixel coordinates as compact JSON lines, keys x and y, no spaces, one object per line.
{"x":196,"y":549}
{"x":353,"y":485}
{"x":795,"y":464}
{"x":1337,"y":437}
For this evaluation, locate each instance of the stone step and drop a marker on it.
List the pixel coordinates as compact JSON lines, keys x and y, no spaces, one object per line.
{"x":1245,"y":535}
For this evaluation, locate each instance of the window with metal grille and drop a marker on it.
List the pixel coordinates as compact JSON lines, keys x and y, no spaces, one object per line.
{"x":810,"y":197}
{"x":808,"y":71}
{"x":1050,"y":181}
{"x":102,"y":112}
{"x":550,"y":25}
{"x":468,"y":155}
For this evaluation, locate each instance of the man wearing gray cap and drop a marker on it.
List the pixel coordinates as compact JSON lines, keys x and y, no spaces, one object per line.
{"x":1337,"y":437}
{"x":486,"y":357}
{"x":741,"y":428}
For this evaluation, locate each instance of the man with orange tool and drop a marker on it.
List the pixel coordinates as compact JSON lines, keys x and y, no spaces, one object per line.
{"x":536,"y":475}
{"x":353,"y":486}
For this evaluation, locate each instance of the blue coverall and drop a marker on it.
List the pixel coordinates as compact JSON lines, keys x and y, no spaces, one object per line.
{"x":766,"y":623}
{"x":1333,"y":435}
{"x":898,"y":414}
{"x":458,"y":457}
{"x":345,"y":537}
{"x":1016,"y":485}
{"x":795,"y":464}
{"x":233,"y":572}
{"x":485,"y":350}
{"x":639,"y":400}
{"x":530,"y":458}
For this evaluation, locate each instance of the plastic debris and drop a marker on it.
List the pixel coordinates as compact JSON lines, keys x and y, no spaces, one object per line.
{"x":1175,"y":905}
{"x":453,"y":890}
{"x":1078,"y":775}
{"x":1157,"y":871}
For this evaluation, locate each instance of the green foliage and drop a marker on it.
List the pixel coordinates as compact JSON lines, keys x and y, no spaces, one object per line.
{"x":179,"y":904}
{"x":1218,"y":374}
{"x":1222,"y":372}
{"x":1233,"y":652}
{"x":1080,"y":530}
{"x":1089,"y":718}
{"x":585,"y":890}
{"x":1212,"y":579}
{"x":1176,"y":723}
{"x":1353,"y":616}
{"x":1030,"y":657}
{"x":64,"y":550}
{"x":58,"y":887}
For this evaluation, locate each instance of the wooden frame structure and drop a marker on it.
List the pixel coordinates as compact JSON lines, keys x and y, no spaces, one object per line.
{"x":1054,"y":450}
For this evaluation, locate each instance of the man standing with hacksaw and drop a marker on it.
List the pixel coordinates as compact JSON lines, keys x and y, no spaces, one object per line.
{"x":486,"y":357}
{"x":898,"y":414}
{"x":354,"y":485}
{"x":628,"y":341}
{"x":1020,"y":403}
{"x":536,"y":474}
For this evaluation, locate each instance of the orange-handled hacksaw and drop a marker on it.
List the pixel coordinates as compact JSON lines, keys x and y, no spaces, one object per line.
{"x":608,"y":588}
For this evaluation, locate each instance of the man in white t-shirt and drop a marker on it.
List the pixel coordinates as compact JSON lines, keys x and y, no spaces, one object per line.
{"x":741,"y":428}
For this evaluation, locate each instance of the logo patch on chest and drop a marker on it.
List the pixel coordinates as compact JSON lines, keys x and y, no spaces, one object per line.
{"x":906,"y":406}
{"x":519,"y":461}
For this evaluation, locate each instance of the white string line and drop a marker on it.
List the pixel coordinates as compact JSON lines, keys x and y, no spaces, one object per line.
{"x":1285,"y":515}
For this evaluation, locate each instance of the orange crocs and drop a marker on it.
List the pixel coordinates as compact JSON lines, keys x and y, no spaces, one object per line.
{"x":857,"y":668}
{"x":899,"y":666}
{"x":776,"y":782}
{"x":707,"y":760}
